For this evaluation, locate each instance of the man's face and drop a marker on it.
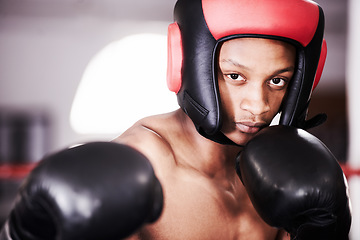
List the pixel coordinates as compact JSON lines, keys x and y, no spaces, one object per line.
{"x":253,"y":75}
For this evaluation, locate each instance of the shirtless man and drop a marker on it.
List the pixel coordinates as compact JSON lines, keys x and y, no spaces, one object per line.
{"x":204,"y":197}
{"x":233,"y":65}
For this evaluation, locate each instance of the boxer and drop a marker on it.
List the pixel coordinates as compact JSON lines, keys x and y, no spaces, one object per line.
{"x":109,"y":191}
{"x":233,"y":65}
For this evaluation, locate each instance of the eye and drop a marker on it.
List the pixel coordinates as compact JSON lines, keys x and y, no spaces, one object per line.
{"x":235,"y":77}
{"x":278,"y":83}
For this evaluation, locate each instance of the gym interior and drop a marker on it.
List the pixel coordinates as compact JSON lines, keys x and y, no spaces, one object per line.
{"x":76,"y":71}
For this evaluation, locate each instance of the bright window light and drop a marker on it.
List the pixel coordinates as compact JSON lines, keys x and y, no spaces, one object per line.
{"x":123,"y":83}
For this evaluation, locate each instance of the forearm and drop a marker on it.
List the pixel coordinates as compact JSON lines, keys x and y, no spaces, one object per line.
{"x":94,"y":191}
{"x":295,"y":183}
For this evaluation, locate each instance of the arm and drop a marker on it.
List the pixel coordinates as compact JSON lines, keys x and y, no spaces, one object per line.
{"x":93,"y":191}
{"x":296,"y":184}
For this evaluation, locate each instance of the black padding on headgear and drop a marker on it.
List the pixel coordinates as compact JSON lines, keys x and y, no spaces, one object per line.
{"x":295,"y":105}
{"x":199,"y":99}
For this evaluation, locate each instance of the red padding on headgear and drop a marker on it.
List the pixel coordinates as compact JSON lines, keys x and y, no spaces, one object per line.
{"x":265,"y":17}
{"x":321,"y":64}
{"x":174,"y":58}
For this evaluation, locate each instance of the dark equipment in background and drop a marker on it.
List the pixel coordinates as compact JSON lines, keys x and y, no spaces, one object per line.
{"x":24,"y":140}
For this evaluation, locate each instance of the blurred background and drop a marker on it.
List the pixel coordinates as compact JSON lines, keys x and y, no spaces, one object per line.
{"x":73,"y":71}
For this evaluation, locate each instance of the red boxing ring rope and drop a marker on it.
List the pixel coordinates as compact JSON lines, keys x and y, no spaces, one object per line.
{"x":349,"y":171}
{"x":15,"y":171}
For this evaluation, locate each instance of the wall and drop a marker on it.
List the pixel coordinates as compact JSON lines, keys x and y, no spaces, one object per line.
{"x":46,"y":46}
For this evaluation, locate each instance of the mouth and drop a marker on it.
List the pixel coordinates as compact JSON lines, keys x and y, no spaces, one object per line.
{"x":250,"y":127}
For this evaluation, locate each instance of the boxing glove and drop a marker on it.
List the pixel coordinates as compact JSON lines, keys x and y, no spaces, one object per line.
{"x":295,"y":183}
{"x":98,"y":190}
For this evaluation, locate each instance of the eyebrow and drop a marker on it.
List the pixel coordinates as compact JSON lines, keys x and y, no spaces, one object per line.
{"x":232,"y":62}
{"x":287,"y":69}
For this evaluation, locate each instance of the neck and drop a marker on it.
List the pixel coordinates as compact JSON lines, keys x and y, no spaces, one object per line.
{"x":212,"y":159}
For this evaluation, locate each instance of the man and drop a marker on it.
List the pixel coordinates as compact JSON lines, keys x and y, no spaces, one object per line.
{"x":204,"y":198}
{"x":234,"y":65}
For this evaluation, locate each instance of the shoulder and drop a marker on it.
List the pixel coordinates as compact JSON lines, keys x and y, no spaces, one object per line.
{"x":152,"y":137}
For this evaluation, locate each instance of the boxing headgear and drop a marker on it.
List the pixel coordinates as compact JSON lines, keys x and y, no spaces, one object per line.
{"x":201,"y":25}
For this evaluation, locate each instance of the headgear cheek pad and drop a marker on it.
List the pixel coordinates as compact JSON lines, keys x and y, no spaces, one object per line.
{"x":201,"y":25}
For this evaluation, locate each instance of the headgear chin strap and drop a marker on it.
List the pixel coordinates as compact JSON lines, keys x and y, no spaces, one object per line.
{"x":201,"y":25}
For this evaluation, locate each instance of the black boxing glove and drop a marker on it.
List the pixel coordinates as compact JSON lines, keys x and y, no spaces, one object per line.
{"x":295,"y":183}
{"x":94,"y":191}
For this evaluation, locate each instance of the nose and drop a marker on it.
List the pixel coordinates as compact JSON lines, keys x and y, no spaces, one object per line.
{"x":255,"y":100}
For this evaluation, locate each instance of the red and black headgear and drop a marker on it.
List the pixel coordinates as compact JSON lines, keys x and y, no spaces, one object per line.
{"x":202,"y":25}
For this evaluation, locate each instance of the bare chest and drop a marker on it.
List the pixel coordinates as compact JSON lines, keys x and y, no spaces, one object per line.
{"x":196,"y":208}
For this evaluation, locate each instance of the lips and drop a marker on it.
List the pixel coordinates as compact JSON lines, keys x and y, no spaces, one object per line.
{"x":250,"y":127}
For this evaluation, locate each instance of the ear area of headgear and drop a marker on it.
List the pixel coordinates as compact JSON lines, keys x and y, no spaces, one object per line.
{"x":175,"y":57}
{"x":321,"y":64}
